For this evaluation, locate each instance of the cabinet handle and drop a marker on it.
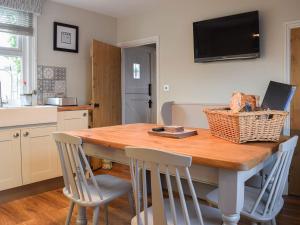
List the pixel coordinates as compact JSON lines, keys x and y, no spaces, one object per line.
{"x":15,"y":135}
{"x":84,"y":114}
{"x":26,"y":134}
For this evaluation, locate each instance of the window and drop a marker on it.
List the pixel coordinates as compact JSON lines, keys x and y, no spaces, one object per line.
{"x":17,"y":51}
{"x":10,"y":66}
{"x":136,"y":71}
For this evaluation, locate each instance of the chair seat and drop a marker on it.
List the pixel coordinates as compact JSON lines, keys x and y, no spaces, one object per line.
{"x":251,"y":195}
{"x":111,"y":188}
{"x":211,"y":216}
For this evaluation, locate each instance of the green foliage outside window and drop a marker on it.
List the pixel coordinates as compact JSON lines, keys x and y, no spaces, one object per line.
{"x":13,"y":41}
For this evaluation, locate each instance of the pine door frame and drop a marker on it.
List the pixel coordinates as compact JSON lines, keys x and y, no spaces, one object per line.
{"x":137,"y":43}
{"x":287,"y":63}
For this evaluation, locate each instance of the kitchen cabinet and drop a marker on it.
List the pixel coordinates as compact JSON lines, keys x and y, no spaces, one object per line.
{"x":39,"y":154}
{"x":28,"y":155}
{"x":72,"y":120}
{"x":27,"y":152}
{"x":10,"y":155}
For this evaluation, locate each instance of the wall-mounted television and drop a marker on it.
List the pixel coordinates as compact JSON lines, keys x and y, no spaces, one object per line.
{"x":226,"y":38}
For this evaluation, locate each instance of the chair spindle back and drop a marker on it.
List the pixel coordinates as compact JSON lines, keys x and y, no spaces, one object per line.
{"x":274,"y":185}
{"x":77,"y":173}
{"x":157,"y":161}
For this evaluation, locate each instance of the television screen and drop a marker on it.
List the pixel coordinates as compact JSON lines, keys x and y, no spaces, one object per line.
{"x":230,"y":37}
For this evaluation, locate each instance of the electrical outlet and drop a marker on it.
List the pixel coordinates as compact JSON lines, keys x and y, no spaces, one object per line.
{"x":166,"y":87}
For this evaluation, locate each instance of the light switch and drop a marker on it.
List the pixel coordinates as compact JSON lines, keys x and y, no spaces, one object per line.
{"x":166,"y":87}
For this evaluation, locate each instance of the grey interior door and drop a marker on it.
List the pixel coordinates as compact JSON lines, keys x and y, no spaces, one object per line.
{"x":138,"y":85}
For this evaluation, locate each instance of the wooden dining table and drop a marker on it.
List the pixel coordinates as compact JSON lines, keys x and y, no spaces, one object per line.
{"x":214,"y":160}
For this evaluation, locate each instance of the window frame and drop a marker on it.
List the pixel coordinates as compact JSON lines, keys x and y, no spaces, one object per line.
{"x":10,"y":51}
{"x":30,"y":60}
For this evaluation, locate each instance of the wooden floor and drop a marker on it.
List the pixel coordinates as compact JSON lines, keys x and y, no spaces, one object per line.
{"x":50,"y":208}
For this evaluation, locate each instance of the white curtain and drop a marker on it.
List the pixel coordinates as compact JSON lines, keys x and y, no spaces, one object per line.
{"x":30,"y":6}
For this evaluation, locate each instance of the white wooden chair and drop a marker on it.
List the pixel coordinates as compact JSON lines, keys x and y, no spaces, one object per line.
{"x":263,"y":205}
{"x":81,"y":186}
{"x":171,"y":210}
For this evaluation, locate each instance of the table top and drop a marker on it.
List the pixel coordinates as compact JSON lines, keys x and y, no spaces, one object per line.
{"x":204,"y":148}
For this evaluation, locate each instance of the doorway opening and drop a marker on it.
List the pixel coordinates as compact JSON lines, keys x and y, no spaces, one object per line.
{"x":139,"y":83}
{"x":292,"y":69}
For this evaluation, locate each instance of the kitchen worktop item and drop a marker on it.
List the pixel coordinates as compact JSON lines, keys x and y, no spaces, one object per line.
{"x":65,"y":101}
{"x":181,"y":134}
{"x":26,"y":99}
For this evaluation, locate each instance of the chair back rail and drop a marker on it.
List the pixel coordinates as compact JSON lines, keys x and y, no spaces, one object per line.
{"x":275,"y":183}
{"x":142,"y":159}
{"x":77,"y":174}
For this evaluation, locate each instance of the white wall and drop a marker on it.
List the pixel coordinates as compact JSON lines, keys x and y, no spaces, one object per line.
{"x":211,"y":82}
{"x":91,"y":26}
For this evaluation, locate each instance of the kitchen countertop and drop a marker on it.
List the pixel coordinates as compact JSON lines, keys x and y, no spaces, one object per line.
{"x":74,"y":108}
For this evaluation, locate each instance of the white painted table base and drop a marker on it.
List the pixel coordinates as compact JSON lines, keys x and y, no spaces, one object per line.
{"x":231,"y":183}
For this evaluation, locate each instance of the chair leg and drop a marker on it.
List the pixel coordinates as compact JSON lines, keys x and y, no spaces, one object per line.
{"x":96,"y":216}
{"x":131,"y":203}
{"x":106,"y":214}
{"x":273,"y":222}
{"x":69,"y":216}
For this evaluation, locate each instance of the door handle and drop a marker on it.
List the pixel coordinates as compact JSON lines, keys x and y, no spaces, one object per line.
{"x":96,"y":105}
{"x":15,"y":135}
{"x":26,"y":134}
{"x":150,"y":103}
{"x":149,"y":89}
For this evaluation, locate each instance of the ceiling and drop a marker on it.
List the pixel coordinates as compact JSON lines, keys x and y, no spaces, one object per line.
{"x":115,"y":8}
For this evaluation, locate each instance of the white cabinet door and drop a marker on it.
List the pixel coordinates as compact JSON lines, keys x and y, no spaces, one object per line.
{"x":39,"y":154}
{"x":10,"y":155}
{"x":72,"y":120}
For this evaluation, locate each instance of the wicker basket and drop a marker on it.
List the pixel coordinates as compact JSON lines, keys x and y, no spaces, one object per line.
{"x":245,"y":126}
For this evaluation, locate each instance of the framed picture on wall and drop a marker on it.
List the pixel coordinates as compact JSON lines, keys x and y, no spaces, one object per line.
{"x":65,"y":37}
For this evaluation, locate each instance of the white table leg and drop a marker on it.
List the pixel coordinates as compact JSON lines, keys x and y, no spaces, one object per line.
{"x":81,"y":218}
{"x":231,"y":195}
